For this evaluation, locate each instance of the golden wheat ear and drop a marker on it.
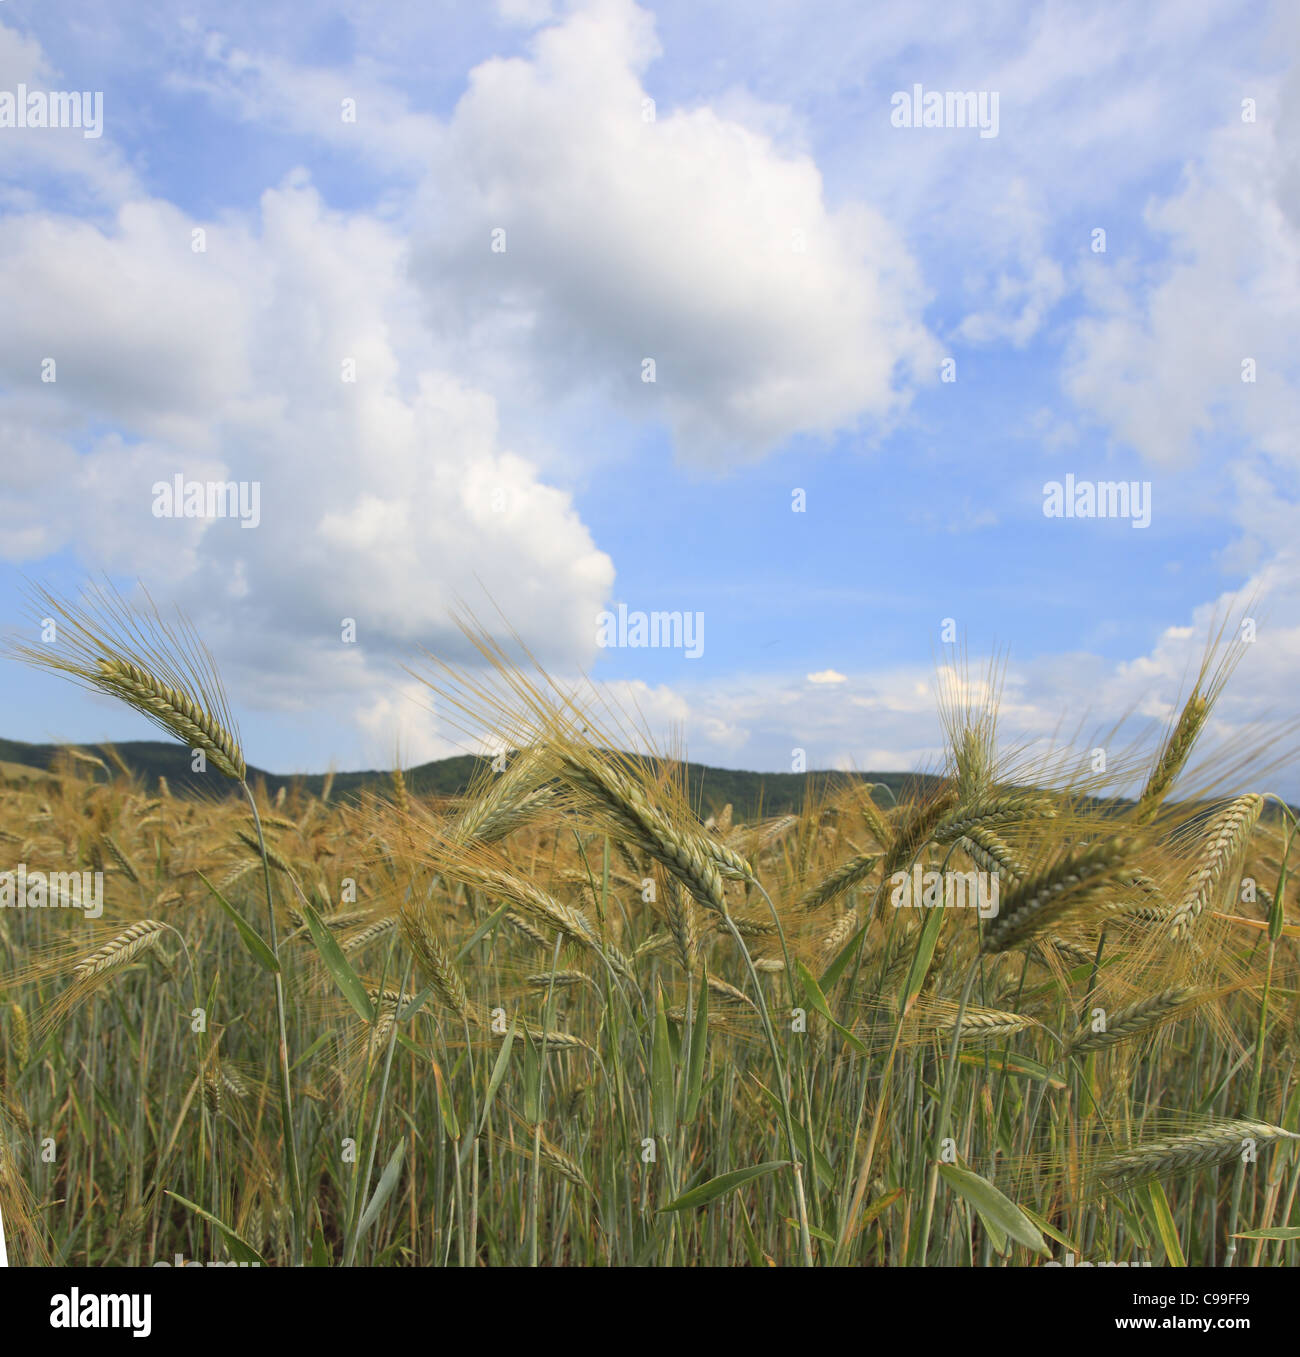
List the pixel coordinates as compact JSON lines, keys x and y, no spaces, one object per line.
{"x":1173,"y":756}
{"x":1220,"y":659}
{"x":160,"y":669}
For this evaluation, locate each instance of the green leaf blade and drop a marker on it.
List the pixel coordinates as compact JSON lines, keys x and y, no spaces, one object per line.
{"x":1001,"y":1216}
{"x":721,"y":1185}
{"x":339,"y":967}
{"x":251,"y":938}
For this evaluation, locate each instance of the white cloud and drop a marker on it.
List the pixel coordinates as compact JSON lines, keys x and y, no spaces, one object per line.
{"x":1160,"y":357}
{"x":142,"y":330}
{"x":385,"y":500}
{"x":352,"y":109}
{"x":1159,"y":363}
{"x":91,"y":169}
{"x":672,"y":240}
{"x":1021,"y":282}
{"x":1054,"y":710}
{"x":405,"y":724}
{"x":527,"y":13}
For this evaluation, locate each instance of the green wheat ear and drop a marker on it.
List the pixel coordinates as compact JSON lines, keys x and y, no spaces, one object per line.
{"x":1215,"y":1143}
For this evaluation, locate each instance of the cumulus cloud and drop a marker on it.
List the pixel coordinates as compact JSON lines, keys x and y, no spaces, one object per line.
{"x":141,"y":330}
{"x":1023,"y":282}
{"x":675,"y":235}
{"x":403,"y":726}
{"x":1160,"y":356}
{"x":384,"y":499}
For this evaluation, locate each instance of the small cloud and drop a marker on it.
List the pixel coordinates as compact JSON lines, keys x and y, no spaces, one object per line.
{"x":827,"y":676}
{"x":528,"y":13}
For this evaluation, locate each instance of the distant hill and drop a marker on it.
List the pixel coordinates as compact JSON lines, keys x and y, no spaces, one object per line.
{"x":750,"y":794}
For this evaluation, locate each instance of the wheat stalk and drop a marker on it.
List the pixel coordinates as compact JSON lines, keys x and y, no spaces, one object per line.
{"x":693,"y":859}
{"x":434,"y":959}
{"x":275,"y":858}
{"x":401,"y":799}
{"x":977,"y":1023}
{"x":560,"y":979}
{"x":915,"y":829}
{"x":511,"y":800}
{"x":679,"y":906}
{"x":537,"y":905}
{"x":19,"y":1034}
{"x":1173,"y":756}
{"x":842,"y":931}
{"x":878,"y":825}
{"x":729,"y":994}
{"x":987,"y":851}
{"x":530,"y":931}
{"x":370,"y":933}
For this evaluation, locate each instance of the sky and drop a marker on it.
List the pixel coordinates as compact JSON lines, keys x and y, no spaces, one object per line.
{"x":547,"y":311}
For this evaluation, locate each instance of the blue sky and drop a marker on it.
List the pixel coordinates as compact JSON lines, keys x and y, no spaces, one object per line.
{"x":799,"y":269}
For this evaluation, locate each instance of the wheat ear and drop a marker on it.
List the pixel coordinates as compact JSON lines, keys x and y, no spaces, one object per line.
{"x":1184,"y":1153}
{"x":175,"y":712}
{"x":683,"y":924}
{"x":138,"y":938}
{"x":1136,"y":1019}
{"x":1000,"y":811}
{"x":693,"y":859}
{"x":1043,"y":900}
{"x":1173,"y":756}
{"x":1227,"y":836}
{"x":435,"y":961}
{"x":842,"y":878}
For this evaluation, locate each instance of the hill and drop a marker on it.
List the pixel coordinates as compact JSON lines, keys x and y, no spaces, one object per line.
{"x":711,"y":788}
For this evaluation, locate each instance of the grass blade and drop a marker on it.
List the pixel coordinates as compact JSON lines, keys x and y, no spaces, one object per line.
{"x":252,"y":939}
{"x":721,"y":1185}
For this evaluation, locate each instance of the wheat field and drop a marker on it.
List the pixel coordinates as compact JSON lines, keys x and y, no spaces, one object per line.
{"x":572,"y":1019}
